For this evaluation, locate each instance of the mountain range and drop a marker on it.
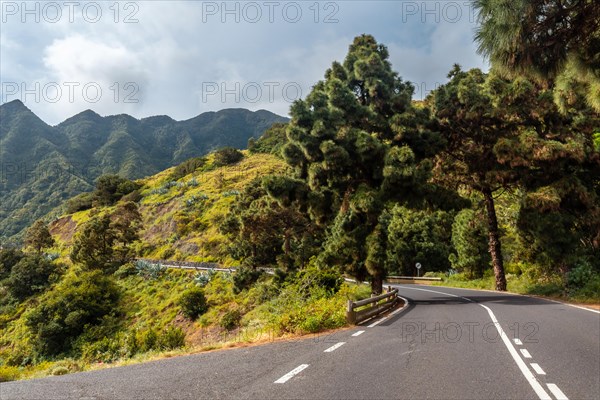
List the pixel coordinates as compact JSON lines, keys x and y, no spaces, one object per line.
{"x":43,"y":165}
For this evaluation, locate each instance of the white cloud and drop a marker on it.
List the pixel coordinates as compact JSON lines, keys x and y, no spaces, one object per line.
{"x":174,"y":50}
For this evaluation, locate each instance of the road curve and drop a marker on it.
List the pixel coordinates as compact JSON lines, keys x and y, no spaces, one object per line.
{"x":445,"y":344}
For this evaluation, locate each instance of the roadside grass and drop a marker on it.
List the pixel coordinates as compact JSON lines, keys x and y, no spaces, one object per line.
{"x":264,"y":312}
{"x":551,"y":287}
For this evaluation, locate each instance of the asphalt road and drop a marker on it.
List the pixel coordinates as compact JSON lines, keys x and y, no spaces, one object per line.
{"x":445,"y":344}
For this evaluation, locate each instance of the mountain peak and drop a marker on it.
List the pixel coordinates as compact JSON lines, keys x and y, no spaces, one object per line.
{"x":87,"y":115}
{"x":14,"y":105}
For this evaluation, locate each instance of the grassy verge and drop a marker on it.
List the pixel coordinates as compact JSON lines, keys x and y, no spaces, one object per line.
{"x":150,"y":315}
{"x":552,"y":287}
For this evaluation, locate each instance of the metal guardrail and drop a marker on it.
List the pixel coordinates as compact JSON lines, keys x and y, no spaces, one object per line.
{"x":199,"y":266}
{"x":379,"y":303}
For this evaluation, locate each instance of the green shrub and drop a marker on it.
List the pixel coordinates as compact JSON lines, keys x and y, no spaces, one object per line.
{"x":579,"y":276}
{"x":32,"y":274}
{"x":187,"y":167}
{"x":8,"y":259}
{"x":16,"y":356}
{"x":104,"y":350}
{"x":57,"y":371}
{"x":244,"y":278}
{"x":312,"y":276}
{"x":147,"y":340}
{"x":227,"y":156}
{"x":590,"y":291}
{"x":230,"y":319}
{"x":126,"y":270}
{"x":111,"y":188}
{"x":8,"y":373}
{"x":193,"y":303}
{"x":76,"y":303}
{"x":81,"y":202}
{"x":171,"y":338}
{"x":134,"y":196}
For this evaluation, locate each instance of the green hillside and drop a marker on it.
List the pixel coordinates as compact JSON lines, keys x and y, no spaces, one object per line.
{"x":137,"y":311}
{"x":180,"y":217}
{"x":44,"y":165}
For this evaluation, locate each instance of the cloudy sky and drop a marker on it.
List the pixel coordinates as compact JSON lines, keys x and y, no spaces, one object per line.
{"x":183,"y":58}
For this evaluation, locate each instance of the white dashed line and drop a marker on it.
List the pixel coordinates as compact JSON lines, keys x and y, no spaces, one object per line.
{"x":358,"y":333}
{"x":535,"y":384}
{"x":536,"y":367}
{"x":525,"y":353}
{"x":334,"y":347}
{"x":557,"y":392}
{"x":518,"y":342}
{"x":291,"y":374}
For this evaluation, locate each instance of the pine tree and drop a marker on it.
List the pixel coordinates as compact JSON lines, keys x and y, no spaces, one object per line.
{"x":502,"y":134}
{"x":356,"y":143}
{"x":548,"y":40}
{"x":38,"y":236}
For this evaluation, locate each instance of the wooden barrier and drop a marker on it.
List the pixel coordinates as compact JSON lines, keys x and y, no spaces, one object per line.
{"x":379,"y":304}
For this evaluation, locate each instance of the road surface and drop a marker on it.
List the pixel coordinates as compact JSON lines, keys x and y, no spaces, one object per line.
{"x":445,"y":344}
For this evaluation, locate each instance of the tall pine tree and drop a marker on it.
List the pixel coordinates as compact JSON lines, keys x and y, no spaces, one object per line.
{"x":356,"y":143}
{"x":502,"y":134}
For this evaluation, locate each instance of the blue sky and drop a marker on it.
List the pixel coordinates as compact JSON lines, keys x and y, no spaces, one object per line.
{"x":183,"y":58}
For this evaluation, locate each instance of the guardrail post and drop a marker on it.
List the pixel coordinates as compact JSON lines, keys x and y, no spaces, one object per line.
{"x":350,"y":314}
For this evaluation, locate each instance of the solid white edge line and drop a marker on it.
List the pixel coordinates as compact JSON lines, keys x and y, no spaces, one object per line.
{"x":581,"y":308}
{"x":538,"y":370}
{"x":519,"y":294}
{"x":535,"y":384}
{"x":557,"y":392}
{"x":390,"y":314}
{"x":291,"y":374}
{"x":518,"y":342}
{"x":358,"y":333}
{"x":525,"y":353}
{"x":334,"y":347}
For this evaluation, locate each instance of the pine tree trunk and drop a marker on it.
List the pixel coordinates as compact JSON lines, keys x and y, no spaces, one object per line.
{"x":376,"y":284}
{"x":494,"y":240}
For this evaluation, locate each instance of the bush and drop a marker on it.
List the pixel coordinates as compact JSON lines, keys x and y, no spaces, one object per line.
{"x":193,"y":303}
{"x":111,"y":188}
{"x":244,"y":278}
{"x":230,"y":320}
{"x":73,"y":305}
{"x":227,"y":156}
{"x":134,"y":196}
{"x":104,"y":350}
{"x":187,"y":167}
{"x":8,"y":259}
{"x":125,"y":270}
{"x":81,"y":202}
{"x":579,"y":276}
{"x":30,"y":275}
{"x":328,"y":279}
{"x":147,"y":340}
{"x":171,"y":338}
{"x":8,"y":374}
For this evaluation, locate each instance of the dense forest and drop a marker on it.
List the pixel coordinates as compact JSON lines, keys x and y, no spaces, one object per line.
{"x":491,"y":181}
